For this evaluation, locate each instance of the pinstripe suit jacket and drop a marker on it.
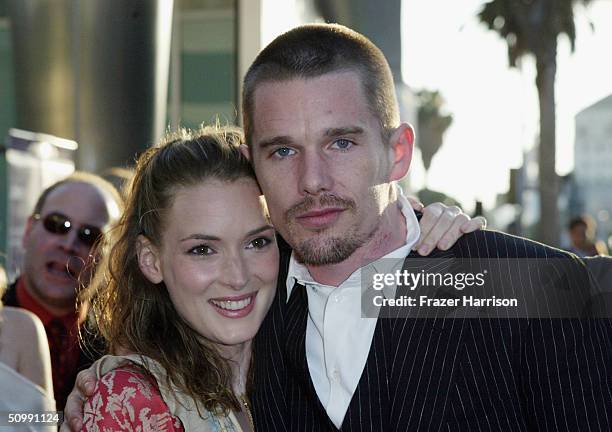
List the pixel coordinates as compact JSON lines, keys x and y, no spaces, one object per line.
{"x":446,"y":374}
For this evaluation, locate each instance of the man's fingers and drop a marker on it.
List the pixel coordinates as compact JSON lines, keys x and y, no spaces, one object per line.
{"x":441,"y":227}
{"x":64,"y":427}
{"x":444,"y":221}
{"x":453,"y":233}
{"x":73,"y":412}
{"x":76,"y":424}
{"x":415,"y":203}
{"x":85,"y":383}
{"x":431,"y":213}
{"x":475,"y":224}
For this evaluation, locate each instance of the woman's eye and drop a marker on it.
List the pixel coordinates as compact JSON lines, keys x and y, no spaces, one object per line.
{"x":201,"y":250}
{"x":283,"y":152}
{"x":342,"y":144}
{"x":259,"y":243}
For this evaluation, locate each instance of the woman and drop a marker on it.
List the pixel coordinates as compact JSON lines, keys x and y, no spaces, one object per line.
{"x":25,"y":363}
{"x":186,"y":284}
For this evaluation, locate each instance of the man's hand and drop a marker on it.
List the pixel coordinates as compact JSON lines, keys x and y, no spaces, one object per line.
{"x":73,"y":413}
{"x":441,"y":226}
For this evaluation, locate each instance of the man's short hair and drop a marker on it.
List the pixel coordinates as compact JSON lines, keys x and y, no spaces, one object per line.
{"x":583,"y":220}
{"x":313,"y":50}
{"x":108,"y":191}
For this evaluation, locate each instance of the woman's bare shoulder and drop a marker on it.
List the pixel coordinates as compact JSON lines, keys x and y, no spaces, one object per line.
{"x":20,"y":322}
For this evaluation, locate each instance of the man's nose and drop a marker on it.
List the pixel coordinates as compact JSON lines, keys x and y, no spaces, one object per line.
{"x":314,"y":174}
{"x":70,"y":242}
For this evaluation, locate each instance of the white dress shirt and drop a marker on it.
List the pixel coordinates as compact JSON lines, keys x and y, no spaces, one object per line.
{"x":338,"y":339}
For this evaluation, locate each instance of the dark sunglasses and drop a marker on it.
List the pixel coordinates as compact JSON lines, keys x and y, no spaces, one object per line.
{"x":57,"y":223}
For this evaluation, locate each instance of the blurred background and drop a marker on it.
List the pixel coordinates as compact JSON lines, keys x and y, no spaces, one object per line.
{"x":511,"y":99}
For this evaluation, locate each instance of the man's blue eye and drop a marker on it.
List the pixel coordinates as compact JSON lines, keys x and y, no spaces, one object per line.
{"x":342,"y":144}
{"x":283,"y":152}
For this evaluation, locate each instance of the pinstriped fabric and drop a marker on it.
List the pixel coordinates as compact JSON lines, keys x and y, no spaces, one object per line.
{"x":497,"y":374}
{"x":303,"y":401}
{"x":269,"y":397}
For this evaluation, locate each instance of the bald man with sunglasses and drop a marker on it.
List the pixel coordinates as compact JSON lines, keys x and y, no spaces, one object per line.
{"x":68,"y":219}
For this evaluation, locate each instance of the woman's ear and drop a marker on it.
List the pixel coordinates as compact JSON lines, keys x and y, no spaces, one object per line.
{"x":246,"y":151}
{"x":148,"y":259}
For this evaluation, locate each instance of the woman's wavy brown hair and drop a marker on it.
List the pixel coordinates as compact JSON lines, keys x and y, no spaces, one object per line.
{"x":133,"y":314}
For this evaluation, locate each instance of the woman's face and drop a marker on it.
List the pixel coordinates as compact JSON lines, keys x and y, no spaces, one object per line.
{"x":219,"y":259}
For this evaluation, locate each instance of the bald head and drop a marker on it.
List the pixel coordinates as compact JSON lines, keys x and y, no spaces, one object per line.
{"x":59,"y":237}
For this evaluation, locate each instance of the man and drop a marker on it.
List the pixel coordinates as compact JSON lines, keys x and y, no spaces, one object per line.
{"x":320,"y":114}
{"x":322,"y":123}
{"x":581,"y":232}
{"x":67,"y":220}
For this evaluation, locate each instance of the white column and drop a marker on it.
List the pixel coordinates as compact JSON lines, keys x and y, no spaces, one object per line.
{"x":248,"y":40}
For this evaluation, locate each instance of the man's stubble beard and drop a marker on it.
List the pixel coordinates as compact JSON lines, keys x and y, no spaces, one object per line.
{"x":326,"y":249}
{"x":331,"y":250}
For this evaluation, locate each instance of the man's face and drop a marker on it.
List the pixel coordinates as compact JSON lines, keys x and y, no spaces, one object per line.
{"x":53,"y":262}
{"x":579,"y":235}
{"x":319,"y":157}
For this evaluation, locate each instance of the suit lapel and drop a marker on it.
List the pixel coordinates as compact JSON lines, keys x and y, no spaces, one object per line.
{"x":305,"y":404}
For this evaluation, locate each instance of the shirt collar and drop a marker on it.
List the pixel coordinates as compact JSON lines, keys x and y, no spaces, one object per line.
{"x":27,"y":301}
{"x":299,"y":273}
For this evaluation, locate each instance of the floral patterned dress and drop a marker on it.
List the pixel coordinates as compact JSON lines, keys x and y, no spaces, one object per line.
{"x":127,"y":398}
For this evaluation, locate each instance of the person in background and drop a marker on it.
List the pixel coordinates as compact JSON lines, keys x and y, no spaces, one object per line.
{"x":582,"y":237}
{"x":68,"y":219}
{"x":120,"y":177}
{"x":25,"y":365}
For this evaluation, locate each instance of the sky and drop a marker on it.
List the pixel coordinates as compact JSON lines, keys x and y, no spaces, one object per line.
{"x":494,"y":108}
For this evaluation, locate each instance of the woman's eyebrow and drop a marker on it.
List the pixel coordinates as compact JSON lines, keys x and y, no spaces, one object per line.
{"x":260,"y":229}
{"x":215,"y":238}
{"x":201,"y":237}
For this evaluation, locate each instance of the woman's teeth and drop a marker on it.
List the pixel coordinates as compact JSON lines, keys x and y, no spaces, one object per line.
{"x":233,"y":305}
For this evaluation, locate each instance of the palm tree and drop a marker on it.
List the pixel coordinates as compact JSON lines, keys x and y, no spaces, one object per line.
{"x":532,"y":27}
{"x":431,"y":125}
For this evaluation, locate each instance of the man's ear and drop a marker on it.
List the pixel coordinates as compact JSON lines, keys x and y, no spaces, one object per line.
{"x":246,"y":151}
{"x":148,"y":259}
{"x":401,"y":145}
{"x":27,"y":232}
